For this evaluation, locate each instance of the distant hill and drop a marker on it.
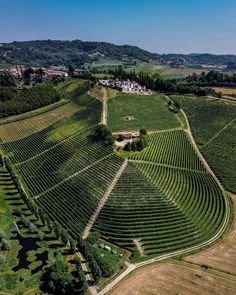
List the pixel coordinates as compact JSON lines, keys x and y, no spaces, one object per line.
{"x":77,"y":52}
{"x":204,"y":58}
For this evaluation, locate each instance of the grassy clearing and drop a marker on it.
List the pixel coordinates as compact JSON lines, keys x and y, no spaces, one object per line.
{"x":133,"y":112}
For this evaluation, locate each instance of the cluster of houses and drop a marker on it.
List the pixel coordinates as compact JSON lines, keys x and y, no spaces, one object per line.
{"x":47,"y":73}
{"x":125,"y":86}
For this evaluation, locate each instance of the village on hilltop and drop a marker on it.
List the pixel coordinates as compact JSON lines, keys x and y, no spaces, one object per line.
{"x":125,"y":86}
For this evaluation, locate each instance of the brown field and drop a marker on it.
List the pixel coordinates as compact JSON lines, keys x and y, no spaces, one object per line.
{"x":221,"y":256}
{"x":225,"y":90}
{"x":172,"y":279}
{"x":25,"y":127}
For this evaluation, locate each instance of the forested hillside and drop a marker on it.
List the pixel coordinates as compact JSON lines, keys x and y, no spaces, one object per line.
{"x":77,"y":52}
{"x":57,"y":52}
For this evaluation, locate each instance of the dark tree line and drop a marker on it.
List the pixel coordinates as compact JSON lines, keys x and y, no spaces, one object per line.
{"x":15,"y":101}
{"x":213,"y":78}
{"x":159,"y":84}
{"x":57,"y":279}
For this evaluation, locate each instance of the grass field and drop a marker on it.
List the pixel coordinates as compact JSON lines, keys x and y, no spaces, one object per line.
{"x":213,"y":123}
{"x":133,"y":112}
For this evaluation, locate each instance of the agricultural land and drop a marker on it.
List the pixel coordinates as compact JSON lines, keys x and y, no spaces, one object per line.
{"x":169,"y":200}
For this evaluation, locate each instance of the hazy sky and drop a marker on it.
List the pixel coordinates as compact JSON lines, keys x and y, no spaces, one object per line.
{"x":163,"y":26}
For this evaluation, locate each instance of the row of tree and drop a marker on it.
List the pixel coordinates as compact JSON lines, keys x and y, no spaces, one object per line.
{"x":212,"y":79}
{"x":15,"y":101}
{"x":98,"y":266}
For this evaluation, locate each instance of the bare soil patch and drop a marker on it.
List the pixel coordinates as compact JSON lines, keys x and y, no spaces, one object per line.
{"x":172,"y":279}
{"x":225,"y":90}
{"x":222,"y":255}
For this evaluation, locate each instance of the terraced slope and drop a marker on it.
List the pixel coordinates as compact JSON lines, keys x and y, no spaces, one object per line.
{"x":164,"y":199}
{"x":61,"y":161}
{"x":161,"y":206}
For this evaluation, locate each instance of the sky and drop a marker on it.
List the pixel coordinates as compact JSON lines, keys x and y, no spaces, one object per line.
{"x":162,"y":26}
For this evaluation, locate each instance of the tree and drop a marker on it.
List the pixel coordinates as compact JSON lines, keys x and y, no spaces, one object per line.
{"x":142,"y":131}
{"x":72,"y":245}
{"x":127,"y":147}
{"x":64,"y":236}
{"x":133,"y":146}
{"x":41,"y":235}
{"x":58,"y":280}
{"x":5,"y":245}
{"x":71,"y":70}
{"x":32,"y":228}
{"x":120,"y":137}
{"x":102,"y":133}
{"x":2,"y":235}
{"x":93,"y":237}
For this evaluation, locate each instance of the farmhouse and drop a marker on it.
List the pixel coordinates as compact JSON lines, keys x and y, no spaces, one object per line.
{"x":49,"y":73}
{"x":127,"y":136}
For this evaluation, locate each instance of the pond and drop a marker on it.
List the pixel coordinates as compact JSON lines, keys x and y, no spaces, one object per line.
{"x":29,"y":244}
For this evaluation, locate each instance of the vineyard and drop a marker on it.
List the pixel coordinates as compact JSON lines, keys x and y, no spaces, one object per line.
{"x":133,"y":112}
{"x":163,"y":206}
{"x":26,"y":124}
{"x":221,"y":155}
{"x":164,"y":200}
{"x":214,"y":125}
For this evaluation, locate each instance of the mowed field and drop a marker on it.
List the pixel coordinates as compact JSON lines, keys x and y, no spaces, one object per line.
{"x":133,"y":112}
{"x":225,"y":90}
{"x":172,"y":279}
